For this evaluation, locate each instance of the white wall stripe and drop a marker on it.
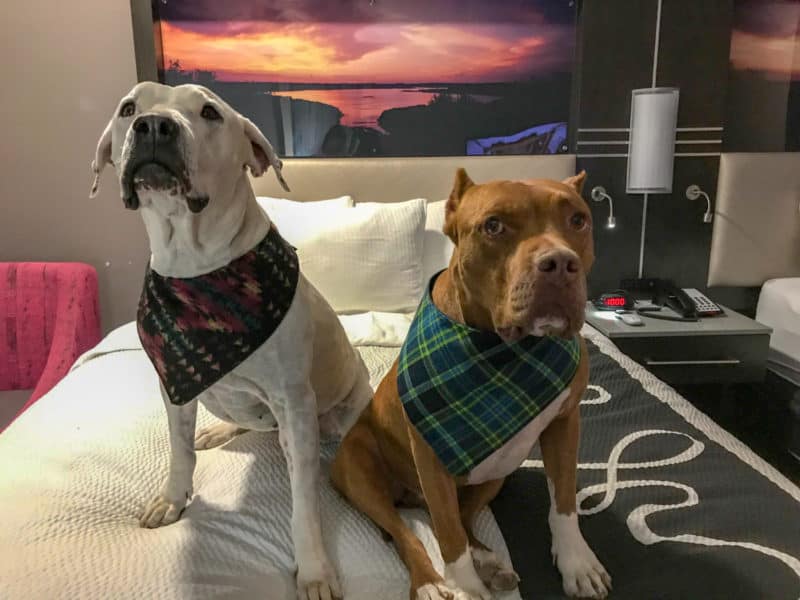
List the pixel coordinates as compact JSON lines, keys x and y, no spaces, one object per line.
{"x":687,"y":154}
{"x":623,"y":142}
{"x":620,"y":155}
{"x":627,"y":129}
{"x":698,"y":129}
{"x":602,"y":155}
{"x":698,"y":141}
{"x":602,"y":129}
{"x":643,"y":232}
{"x":652,"y":84}
{"x":656,"y":44}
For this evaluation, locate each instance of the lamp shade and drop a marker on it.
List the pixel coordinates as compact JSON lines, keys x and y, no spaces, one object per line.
{"x":651,"y":151}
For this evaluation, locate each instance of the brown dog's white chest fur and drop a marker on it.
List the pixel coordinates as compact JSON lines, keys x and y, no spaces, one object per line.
{"x":505,"y":460}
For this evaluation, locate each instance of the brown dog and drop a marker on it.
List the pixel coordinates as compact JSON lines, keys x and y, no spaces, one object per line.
{"x":519,"y":269}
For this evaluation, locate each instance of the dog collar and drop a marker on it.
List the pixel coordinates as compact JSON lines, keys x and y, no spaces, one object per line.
{"x":196,"y":330}
{"x":468,"y":392}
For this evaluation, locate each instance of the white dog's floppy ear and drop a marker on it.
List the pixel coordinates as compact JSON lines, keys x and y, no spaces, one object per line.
{"x":263,"y":155}
{"x":102,"y":157}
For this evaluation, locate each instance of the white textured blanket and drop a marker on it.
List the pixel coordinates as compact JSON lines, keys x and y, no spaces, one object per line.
{"x":78,"y":467}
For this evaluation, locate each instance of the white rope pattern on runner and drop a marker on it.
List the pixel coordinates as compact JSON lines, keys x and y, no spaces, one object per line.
{"x":636,"y":520}
{"x":602,"y":395}
{"x":666,"y":394}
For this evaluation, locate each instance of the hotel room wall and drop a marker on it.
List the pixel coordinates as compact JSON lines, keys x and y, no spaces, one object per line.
{"x":66,"y":66}
{"x":617,"y":41}
{"x":72,"y":63}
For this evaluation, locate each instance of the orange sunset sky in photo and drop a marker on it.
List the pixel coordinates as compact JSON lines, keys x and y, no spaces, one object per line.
{"x":777,"y":56}
{"x":766,"y":38}
{"x":390,"y":52}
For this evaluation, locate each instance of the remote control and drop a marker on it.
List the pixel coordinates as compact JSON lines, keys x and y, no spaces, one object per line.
{"x":631,"y":319}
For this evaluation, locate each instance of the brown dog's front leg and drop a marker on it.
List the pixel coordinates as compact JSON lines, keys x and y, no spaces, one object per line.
{"x":494,"y":571}
{"x":582,"y":574}
{"x":360,"y":474}
{"x":441,"y":496}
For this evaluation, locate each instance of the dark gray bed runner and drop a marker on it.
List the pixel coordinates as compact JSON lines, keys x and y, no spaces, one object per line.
{"x":718,"y":527}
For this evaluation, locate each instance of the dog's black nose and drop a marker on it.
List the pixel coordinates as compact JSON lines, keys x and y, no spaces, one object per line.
{"x":157,"y":127}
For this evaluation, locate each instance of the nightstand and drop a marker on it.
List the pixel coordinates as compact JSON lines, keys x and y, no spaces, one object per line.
{"x":729,"y":348}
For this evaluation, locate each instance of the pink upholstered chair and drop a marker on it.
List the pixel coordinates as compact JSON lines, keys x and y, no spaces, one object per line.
{"x":49,"y":315}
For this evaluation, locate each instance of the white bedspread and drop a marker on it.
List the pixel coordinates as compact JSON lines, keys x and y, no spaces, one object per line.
{"x":78,"y":467}
{"x":779,"y":307}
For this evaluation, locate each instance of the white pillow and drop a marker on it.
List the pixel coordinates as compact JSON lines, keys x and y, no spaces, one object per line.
{"x":283,"y":212}
{"x":438,"y":247}
{"x":365,"y":258}
{"x":377,"y":328}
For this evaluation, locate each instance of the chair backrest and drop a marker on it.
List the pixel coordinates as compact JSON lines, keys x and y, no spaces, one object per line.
{"x":49,"y":315}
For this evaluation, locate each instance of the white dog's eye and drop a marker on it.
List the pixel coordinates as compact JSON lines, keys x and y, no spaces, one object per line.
{"x":128,"y":109}
{"x":210,"y":113}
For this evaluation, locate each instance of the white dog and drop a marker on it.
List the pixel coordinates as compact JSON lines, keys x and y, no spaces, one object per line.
{"x":181,"y":155}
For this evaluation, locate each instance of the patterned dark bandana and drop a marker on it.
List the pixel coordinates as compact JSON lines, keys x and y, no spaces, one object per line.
{"x":468,"y":392}
{"x":198,"y":329}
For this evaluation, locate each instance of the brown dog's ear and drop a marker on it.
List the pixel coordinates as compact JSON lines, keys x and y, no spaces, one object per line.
{"x":102,"y":157}
{"x":460,"y":186}
{"x":576,"y":182}
{"x":262,"y":153}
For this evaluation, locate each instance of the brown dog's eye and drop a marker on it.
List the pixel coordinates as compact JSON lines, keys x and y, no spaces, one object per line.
{"x":210,"y":113}
{"x":493,"y":226}
{"x":578,"y":221}
{"x":128,"y":109}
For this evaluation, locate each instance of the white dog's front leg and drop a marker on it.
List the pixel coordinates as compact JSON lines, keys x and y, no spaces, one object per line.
{"x":316,"y":577}
{"x":168,"y":505}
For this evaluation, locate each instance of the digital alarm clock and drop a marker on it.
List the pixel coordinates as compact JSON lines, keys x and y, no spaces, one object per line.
{"x":619,"y":300}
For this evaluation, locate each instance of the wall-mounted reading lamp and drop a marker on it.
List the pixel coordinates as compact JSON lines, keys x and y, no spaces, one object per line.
{"x":651,"y":149}
{"x":654,"y":117}
{"x":598,"y":195}
{"x":693,"y":192}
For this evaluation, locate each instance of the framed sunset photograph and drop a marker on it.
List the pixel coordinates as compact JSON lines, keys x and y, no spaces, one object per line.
{"x":764,"y":82}
{"x":382,"y":77}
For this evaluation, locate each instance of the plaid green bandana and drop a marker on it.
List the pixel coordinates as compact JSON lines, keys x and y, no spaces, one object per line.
{"x":195,"y":330}
{"x":468,"y":392}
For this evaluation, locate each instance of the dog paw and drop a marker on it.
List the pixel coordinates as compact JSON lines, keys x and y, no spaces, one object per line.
{"x":216,"y":435}
{"x":441,"y":591}
{"x":495,"y":573}
{"x":319,"y":590}
{"x":582,"y":574}
{"x":461,"y":574}
{"x":160,"y":511}
{"x":321,"y":586}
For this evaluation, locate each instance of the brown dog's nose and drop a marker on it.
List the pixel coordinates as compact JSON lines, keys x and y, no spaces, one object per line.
{"x":558,"y":263}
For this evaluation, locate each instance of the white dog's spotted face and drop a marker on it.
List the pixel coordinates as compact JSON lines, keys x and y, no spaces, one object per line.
{"x":179,"y":148}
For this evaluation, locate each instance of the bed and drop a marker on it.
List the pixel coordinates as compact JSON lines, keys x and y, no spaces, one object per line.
{"x":756,"y":242}
{"x":779,"y":307}
{"x":673,"y":505}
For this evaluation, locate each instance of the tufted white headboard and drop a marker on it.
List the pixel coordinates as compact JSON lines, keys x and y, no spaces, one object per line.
{"x":398,"y":179}
{"x":756,"y":233}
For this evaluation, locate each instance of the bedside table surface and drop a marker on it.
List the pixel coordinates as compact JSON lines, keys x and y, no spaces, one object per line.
{"x":729,"y":323}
